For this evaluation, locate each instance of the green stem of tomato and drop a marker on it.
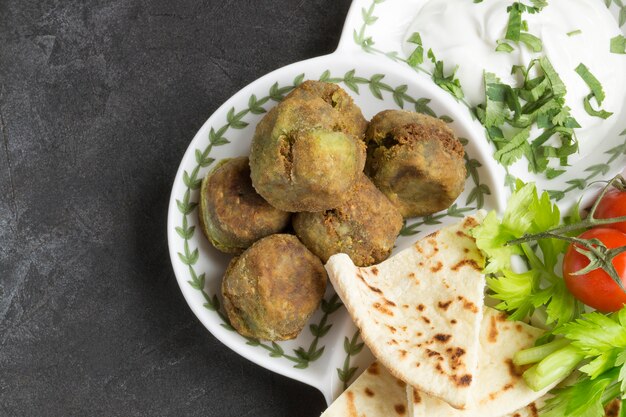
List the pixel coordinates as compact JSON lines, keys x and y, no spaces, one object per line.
{"x":557,"y":232}
{"x":598,"y":254}
{"x":618,"y":181}
{"x":538,"y":353}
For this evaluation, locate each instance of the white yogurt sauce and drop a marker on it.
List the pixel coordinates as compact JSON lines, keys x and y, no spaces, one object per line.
{"x":464,"y":33}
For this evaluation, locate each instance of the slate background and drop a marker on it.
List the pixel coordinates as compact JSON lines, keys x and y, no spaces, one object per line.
{"x":98,"y":101}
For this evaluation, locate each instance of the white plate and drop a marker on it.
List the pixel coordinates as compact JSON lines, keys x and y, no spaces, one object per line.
{"x":328,"y":353}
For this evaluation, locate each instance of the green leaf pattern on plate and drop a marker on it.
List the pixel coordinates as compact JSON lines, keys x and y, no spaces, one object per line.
{"x":597,"y":170}
{"x":352,"y":347}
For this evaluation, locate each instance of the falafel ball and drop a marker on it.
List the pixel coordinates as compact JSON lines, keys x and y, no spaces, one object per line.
{"x":232,"y":215}
{"x":365,"y":227}
{"x":350,"y":119}
{"x":416,"y":160}
{"x":272,"y":289}
{"x":305,"y":155}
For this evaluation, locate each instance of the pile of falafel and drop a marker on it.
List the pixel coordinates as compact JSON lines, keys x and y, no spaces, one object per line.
{"x":319,"y":170}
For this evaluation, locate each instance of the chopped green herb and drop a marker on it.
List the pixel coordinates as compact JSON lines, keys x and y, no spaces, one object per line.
{"x":539,"y":101}
{"x":496,"y":111}
{"x":417,"y":57}
{"x":538,"y":5}
{"x":533,"y":42}
{"x":591,"y":81}
{"x":618,"y":44}
{"x":558,"y":87}
{"x":574,"y":32}
{"x":503,"y":47}
{"x":562,"y":116}
{"x":517,"y":28}
{"x":447,"y":82}
{"x":525,"y":25}
{"x":597,"y":92}
{"x":603,"y":114}
{"x":514,"y":149}
{"x":514,"y":26}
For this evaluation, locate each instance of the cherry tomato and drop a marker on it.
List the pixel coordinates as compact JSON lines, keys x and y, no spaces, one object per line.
{"x":613,"y":204}
{"x":596,"y":288}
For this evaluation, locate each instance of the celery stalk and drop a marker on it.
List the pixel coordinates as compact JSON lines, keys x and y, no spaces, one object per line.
{"x":538,"y":353}
{"x":553,"y":368}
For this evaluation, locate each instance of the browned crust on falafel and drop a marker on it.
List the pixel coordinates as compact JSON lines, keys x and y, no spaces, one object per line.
{"x":232,"y":214}
{"x":365,"y":227}
{"x":415,"y":160}
{"x":272,"y":289}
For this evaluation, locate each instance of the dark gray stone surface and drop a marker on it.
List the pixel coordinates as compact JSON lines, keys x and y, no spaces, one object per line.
{"x":98,"y":101}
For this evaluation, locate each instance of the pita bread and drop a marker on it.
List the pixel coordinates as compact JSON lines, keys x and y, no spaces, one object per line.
{"x":500,"y":388}
{"x":376,"y":393}
{"x":420,"y":311}
{"x":531,"y":410}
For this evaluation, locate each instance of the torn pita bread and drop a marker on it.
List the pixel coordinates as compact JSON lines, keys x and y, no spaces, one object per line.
{"x":530,"y":410}
{"x":420,"y":311}
{"x":500,"y":388}
{"x":376,"y":393}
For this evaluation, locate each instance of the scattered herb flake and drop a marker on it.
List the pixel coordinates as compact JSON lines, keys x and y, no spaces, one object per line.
{"x":496,"y":110}
{"x":514,"y":149}
{"x":517,"y":28}
{"x":562,"y":116}
{"x":603,"y":114}
{"x":540,"y":101}
{"x":591,"y":81}
{"x":558,"y":87}
{"x":597,"y":92}
{"x":533,"y":42}
{"x":514,"y":25}
{"x":538,"y":5}
{"x":503,"y":47}
{"x":574,"y":32}
{"x":618,"y":44}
